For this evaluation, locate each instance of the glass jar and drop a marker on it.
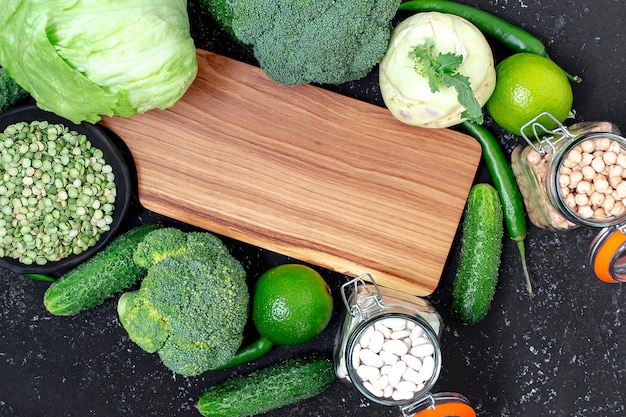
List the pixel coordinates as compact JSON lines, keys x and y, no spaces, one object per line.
{"x":388,"y":348}
{"x":571,"y":177}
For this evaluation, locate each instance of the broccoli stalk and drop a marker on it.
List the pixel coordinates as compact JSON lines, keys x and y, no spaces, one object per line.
{"x":192,"y":306}
{"x":306,"y":41}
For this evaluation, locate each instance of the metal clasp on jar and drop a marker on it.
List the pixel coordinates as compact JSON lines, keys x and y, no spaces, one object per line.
{"x":545,"y":139}
{"x":365,"y":299}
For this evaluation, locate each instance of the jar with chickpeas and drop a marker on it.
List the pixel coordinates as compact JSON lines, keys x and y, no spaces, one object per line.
{"x":573,"y":176}
{"x":388,"y":348}
{"x":576,"y":176}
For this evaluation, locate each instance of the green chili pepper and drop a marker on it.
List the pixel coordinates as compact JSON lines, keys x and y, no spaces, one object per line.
{"x":504,"y":181}
{"x":510,"y":35}
{"x":40,"y":277}
{"x":249,"y":353}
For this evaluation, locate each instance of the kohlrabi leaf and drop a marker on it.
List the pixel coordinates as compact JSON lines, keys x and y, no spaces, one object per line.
{"x":441,"y":69}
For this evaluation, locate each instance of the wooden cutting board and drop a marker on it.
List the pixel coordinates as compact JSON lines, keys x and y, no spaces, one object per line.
{"x":304,"y":172}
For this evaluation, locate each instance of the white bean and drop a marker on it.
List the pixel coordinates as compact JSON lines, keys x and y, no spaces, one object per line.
{"x":402,"y":395}
{"x":416,"y":333}
{"x":428,"y":368}
{"x":400,"y":334}
{"x":375,"y":391}
{"x":356,"y":352}
{"x":367,"y":373}
{"x":371,"y":358}
{"x":381,"y":383}
{"x":423,"y":350}
{"x":386,"y":331}
{"x":406,"y":386}
{"x":421,"y":340}
{"x":395,"y":323}
{"x":364,"y":340}
{"x":388,"y":357}
{"x":412,"y":362}
{"x":376,"y":341}
{"x":397,"y":347}
{"x":412,"y":375}
{"x":395,"y":373}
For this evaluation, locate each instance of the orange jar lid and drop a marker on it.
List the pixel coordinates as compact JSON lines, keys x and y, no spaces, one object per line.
{"x":607,"y":255}
{"x":445,"y":404}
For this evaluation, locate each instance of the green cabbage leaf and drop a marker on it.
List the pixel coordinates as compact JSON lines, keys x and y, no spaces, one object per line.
{"x":85,"y":58}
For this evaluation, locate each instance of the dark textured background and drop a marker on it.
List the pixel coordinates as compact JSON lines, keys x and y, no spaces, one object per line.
{"x":561,"y":353}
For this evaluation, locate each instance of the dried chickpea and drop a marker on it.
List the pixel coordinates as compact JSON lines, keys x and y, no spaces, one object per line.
{"x":615,"y":170}
{"x":588,"y":172}
{"x":596,"y":199}
{"x":586,"y":159}
{"x":609,"y":158}
{"x":585,"y":212}
{"x":575,"y":177}
{"x":583,"y":187}
{"x":588,"y":146}
{"x":598,"y":164}
{"x":603,"y":144}
{"x":620,"y":191}
{"x":581,"y":199}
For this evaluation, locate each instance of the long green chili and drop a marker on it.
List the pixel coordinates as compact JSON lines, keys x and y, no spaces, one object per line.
{"x":504,"y":181}
{"x":510,"y":35}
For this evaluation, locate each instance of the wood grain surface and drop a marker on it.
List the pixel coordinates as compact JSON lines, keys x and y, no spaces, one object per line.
{"x":304,"y":172}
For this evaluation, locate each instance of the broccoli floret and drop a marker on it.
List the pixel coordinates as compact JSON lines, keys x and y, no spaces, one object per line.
{"x":312,"y":41}
{"x":10,"y":92}
{"x":192,"y":305}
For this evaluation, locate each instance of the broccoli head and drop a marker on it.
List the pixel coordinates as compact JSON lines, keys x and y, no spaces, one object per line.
{"x":311,"y":41}
{"x":192,"y":305}
{"x":10,"y":92}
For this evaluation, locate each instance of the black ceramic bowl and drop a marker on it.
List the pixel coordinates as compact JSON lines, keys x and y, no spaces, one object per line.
{"x":112,"y":156}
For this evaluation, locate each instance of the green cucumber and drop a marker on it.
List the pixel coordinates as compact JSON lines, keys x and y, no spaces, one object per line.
{"x":269,"y":388}
{"x":481,"y":247}
{"x":102,"y":276}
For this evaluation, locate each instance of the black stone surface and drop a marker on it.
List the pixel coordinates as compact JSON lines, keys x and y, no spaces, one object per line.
{"x":560,"y":353}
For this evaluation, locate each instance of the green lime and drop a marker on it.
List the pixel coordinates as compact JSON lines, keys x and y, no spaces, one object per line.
{"x":526,"y":86}
{"x":291,"y":304}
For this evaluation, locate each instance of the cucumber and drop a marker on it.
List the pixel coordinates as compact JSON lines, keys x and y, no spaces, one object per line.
{"x":481,"y":247}
{"x":269,"y":388}
{"x":102,"y":276}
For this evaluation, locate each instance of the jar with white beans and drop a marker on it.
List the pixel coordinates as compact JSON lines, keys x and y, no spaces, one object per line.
{"x":388,"y":348}
{"x":571,"y":177}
